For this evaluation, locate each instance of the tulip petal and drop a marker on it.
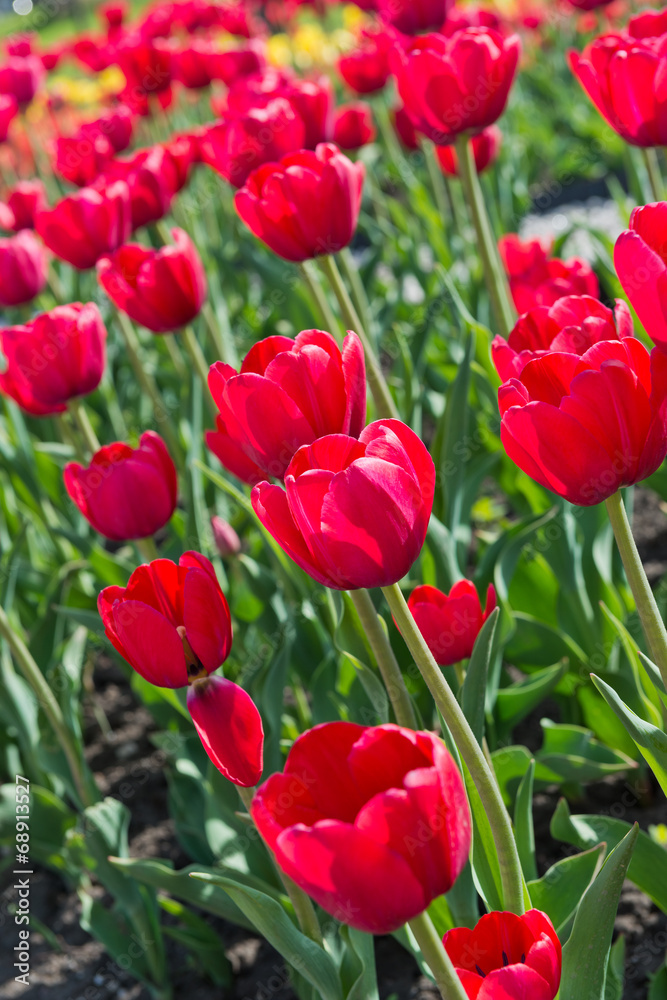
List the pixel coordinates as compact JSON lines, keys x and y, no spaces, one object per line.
{"x":353,"y":878}
{"x":323,"y":766}
{"x":515,"y":982}
{"x":206,"y":617}
{"x":152,"y":645}
{"x":230,"y":727}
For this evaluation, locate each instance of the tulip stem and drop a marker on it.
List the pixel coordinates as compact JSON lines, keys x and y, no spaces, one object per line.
{"x":494,"y":272}
{"x":649,"y":614}
{"x":147,"y":548}
{"x":385,"y":659}
{"x":433,"y":951}
{"x":82,"y":421}
{"x":149,"y":386}
{"x":470,"y":750}
{"x":193,"y":348}
{"x":47,"y":701}
{"x":437,"y":181}
{"x":219,"y":336}
{"x":384,"y":402}
{"x":653,"y":170}
{"x":359,"y":297}
{"x":302,"y":903}
{"x":321,"y":300}
{"x":176,"y":356}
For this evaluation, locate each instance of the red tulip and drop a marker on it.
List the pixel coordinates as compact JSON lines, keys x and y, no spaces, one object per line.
{"x":116,"y":126}
{"x":623,"y":78}
{"x":366,"y":69}
{"x":413,"y":16}
{"x":125,"y":493}
{"x":55,"y":357}
{"x":287,"y":394}
{"x":25,"y":199}
{"x":163,"y":289}
{"x":537,"y":279}
{"x":150,"y":177}
{"x":306,"y":205}
{"x":94,"y":53}
{"x":459,"y":84}
{"x":648,"y":24}
{"x":354,"y":513}
{"x":506,"y":957}
{"x":640,"y":257}
{"x":22,"y":268}
{"x":450,"y":623}
{"x":22,"y":44}
{"x":191,"y":64}
{"x":470,"y":16}
{"x":485,"y":148}
{"x":8,"y":111}
{"x":114,"y":14}
{"x":172,"y":624}
{"x":354,"y":126}
{"x":372,"y":822}
{"x":585,"y":426}
{"x":21,"y":77}
{"x":146,"y":66}
{"x":233,"y":65}
{"x":51,"y":57}
{"x":80,"y":159}
{"x":257,"y":89}
{"x":588,"y":4}
{"x":573,"y":324}
{"x":313,"y":100}
{"x":182,"y":151}
{"x":87,"y":225}
{"x":242,"y":142}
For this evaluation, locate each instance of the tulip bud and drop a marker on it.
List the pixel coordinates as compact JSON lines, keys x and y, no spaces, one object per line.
{"x":585,"y":426}
{"x":373,"y":823}
{"x":365,"y":523}
{"x":9,"y":109}
{"x":22,"y":268}
{"x":226,"y":540}
{"x":507,"y":956}
{"x":353,"y":126}
{"x":25,"y":199}
{"x":125,"y":492}
{"x":450,"y":623}
{"x":305,"y":206}
{"x":54,"y":358}
{"x":163,"y":289}
{"x":87,"y":225}
{"x":287,"y":394}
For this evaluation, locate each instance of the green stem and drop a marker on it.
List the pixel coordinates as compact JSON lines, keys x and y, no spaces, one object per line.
{"x":52,"y":710}
{"x":384,"y":402}
{"x":437,"y":181}
{"x":353,"y":278}
{"x":650,"y":157}
{"x":321,"y":300}
{"x":219,"y":339}
{"x":303,"y":906}
{"x":494,"y":273}
{"x":433,"y":950}
{"x":176,"y":356}
{"x":67,"y":436}
{"x":196,"y":354}
{"x":147,"y":548}
{"x":385,"y":659}
{"x":651,"y":619}
{"x":82,"y":421}
{"x":470,"y":750}
{"x":149,"y":386}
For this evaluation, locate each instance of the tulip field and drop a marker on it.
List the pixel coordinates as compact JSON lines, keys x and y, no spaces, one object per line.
{"x":333,"y":500}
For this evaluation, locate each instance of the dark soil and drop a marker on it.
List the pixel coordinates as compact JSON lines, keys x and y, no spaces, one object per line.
{"x":79,"y":968}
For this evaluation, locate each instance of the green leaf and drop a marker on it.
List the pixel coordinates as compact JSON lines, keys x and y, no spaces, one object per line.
{"x":118,"y":941}
{"x":524,"y":831}
{"x":200,"y":939}
{"x":271,"y":920}
{"x":514,"y":703}
{"x":651,"y":741}
{"x":648,"y":868}
{"x":473,"y":692}
{"x":613,"y":989}
{"x":559,"y":891}
{"x":161,"y":875}
{"x":572,"y":752}
{"x":357,"y":970}
{"x":658,"y":987}
{"x":49,"y":821}
{"x":483,"y":855}
{"x":585,"y":954}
